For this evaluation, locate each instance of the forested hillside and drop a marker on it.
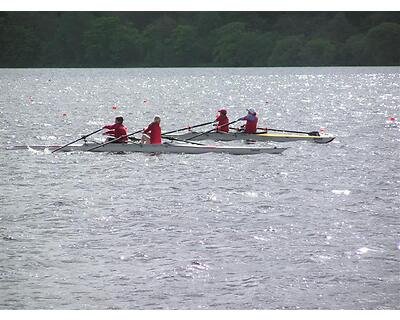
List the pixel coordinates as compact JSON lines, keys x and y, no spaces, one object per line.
{"x":170,"y":39}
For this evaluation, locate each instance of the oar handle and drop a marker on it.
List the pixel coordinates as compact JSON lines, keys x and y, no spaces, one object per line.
{"x":83,"y":137}
{"x":203,"y":133}
{"x":114,"y":140}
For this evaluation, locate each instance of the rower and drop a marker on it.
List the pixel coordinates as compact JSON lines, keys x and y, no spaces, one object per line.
{"x":251,"y":121}
{"x":152,"y":134}
{"x":223,"y":121}
{"x":117,"y":130}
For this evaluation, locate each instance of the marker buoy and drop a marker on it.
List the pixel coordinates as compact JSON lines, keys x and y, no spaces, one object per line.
{"x":114,"y":107}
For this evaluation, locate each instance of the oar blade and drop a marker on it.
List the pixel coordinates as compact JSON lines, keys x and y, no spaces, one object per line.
{"x":311,"y":133}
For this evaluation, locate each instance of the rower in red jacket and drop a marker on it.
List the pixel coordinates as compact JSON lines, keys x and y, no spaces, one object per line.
{"x":117,"y":130}
{"x":251,"y":121}
{"x":152,"y":134}
{"x":223,"y":121}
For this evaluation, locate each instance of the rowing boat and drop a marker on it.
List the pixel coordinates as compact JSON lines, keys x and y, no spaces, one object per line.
{"x":166,"y":147}
{"x":275,"y":137}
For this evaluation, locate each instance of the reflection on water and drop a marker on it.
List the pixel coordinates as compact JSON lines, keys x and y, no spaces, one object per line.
{"x":314,"y":228}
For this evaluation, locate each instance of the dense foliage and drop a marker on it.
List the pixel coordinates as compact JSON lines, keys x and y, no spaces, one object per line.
{"x":160,"y":39}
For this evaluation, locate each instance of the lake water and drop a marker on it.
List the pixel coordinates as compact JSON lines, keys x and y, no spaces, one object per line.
{"x":314,"y":228}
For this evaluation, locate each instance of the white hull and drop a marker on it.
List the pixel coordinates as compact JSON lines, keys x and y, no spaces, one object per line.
{"x":157,"y":148}
{"x":275,"y":137}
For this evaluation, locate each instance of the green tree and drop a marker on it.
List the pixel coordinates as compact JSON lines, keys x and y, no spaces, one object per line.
{"x":157,"y":42}
{"x":265,"y":46}
{"x":66,"y":47}
{"x":130,"y":39}
{"x":286,"y":52}
{"x":207,"y":22}
{"x":108,"y":42}
{"x":254,"y":49}
{"x":354,"y":52}
{"x":382,"y":44}
{"x":20,"y":46}
{"x":286,"y":24}
{"x":339,"y":28}
{"x":185,"y":46}
{"x":229,"y":38}
{"x":319,"y":52}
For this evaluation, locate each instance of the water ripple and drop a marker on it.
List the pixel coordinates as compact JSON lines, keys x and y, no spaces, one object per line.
{"x":315,"y":228}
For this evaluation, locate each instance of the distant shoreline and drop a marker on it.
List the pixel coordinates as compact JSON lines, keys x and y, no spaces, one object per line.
{"x":198,"y":39}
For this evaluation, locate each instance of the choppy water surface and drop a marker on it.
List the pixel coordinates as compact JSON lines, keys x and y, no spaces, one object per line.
{"x":314,"y":228}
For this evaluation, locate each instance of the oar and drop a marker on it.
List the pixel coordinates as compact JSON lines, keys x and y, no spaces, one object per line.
{"x":181,"y":140}
{"x":83,"y":137}
{"x":113,"y":140}
{"x":200,"y":134}
{"x":311,"y":133}
{"x":190,"y":127}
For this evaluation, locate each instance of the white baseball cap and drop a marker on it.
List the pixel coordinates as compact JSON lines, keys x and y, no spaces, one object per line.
{"x":251,"y":110}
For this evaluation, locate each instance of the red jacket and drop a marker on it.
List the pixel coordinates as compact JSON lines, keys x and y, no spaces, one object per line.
{"x":251,"y":123}
{"x":154,"y":131}
{"x":117,"y":130}
{"x":222,"y":121}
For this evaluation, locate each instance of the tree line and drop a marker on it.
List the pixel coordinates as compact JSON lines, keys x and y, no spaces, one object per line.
{"x":194,"y":39}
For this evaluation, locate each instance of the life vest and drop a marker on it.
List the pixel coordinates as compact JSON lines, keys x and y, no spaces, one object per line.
{"x":154,"y":131}
{"x":222,"y":123}
{"x":118,"y":130}
{"x":251,"y":123}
